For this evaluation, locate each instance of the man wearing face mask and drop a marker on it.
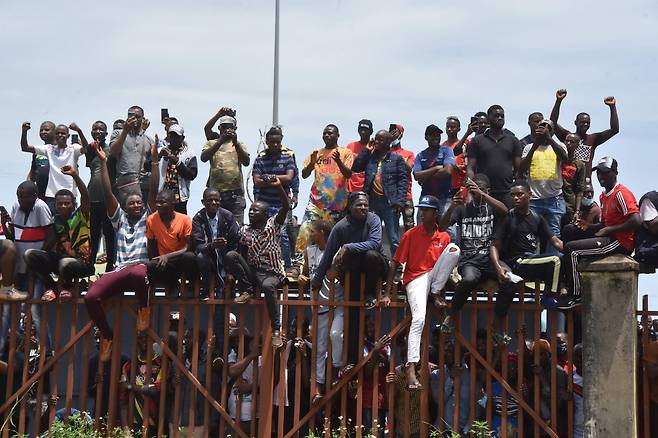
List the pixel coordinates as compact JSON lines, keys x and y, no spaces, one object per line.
{"x":589,"y":214}
{"x":227,"y":156}
{"x":178,"y":167}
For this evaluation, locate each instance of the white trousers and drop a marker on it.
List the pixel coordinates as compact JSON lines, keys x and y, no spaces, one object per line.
{"x":417,"y":291}
{"x":336,"y":336}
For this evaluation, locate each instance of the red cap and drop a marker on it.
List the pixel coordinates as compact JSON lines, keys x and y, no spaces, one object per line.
{"x":400,"y":129}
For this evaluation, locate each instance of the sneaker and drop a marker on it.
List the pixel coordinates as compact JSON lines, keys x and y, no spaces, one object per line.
{"x":243,"y":298}
{"x":548,"y":302}
{"x":8,"y":293}
{"x":566,"y":302}
{"x":143,"y":319}
{"x":370,"y":303}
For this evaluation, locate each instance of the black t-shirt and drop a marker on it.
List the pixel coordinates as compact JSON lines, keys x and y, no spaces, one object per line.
{"x":40,"y":168}
{"x":496,"y":158}
{"x":476,"y":224}
{"x":521,"y":236}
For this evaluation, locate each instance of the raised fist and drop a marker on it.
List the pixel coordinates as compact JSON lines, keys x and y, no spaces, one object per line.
{"x":561,"y":94}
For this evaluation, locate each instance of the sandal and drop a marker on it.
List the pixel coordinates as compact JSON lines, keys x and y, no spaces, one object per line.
{"x":48,"y":296}
{"x":243,"y":298}
{"x":65,"y":296}
{"x":440,"y":301}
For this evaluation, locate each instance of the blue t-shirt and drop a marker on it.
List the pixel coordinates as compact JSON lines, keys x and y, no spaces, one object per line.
{"x":439,"y":187}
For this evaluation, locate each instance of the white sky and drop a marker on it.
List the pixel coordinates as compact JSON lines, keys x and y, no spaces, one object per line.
{"x":411,"y":62}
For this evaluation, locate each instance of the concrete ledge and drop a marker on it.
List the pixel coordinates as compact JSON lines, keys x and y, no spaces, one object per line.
{"x":613,"y":263}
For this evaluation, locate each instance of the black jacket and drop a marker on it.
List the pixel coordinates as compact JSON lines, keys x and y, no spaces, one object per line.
{"x":227,"y":227}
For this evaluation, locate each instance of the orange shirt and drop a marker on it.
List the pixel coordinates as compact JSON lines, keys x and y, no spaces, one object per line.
{"x":169,"y":239}
{"x":458,"y":175}
{"x":420,"y":251}
{"x":358,"y":179}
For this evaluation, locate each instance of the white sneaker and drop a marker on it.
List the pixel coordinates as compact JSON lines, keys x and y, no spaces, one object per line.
{"x":8,"y":293}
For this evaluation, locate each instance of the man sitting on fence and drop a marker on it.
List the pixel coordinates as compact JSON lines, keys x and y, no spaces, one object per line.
{"x":132,"y":256}
{"x":354,"y":245}
{"x":515,"y":256}
{"x":72,"y":256}
{"x":169,"y":235}
{"x":476,"y":224}
{"x":428,"y":258}
{"x":259,"y":263}
{"x":614,"y":235}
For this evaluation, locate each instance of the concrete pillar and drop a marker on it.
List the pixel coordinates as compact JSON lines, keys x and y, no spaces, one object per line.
{"x":609,"y":288}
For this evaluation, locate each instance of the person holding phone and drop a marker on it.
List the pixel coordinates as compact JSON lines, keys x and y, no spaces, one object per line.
{"x":60,"y":154}
{"x":227,"y":156}
{"x":130,"y":146}
{"x":178,"y":166}
{"x":214,"y":233}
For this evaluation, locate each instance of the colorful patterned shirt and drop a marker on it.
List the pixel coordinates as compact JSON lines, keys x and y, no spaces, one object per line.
{"x":73,"y":236}
{"x":263,"y":250}
{"x":329,"y":189}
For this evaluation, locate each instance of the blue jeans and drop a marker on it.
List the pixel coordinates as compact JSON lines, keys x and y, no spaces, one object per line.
{"x":386,"y":212}
{"x":284,"y":240}
{"x":35,"y":309}
{"x":551,"y":209}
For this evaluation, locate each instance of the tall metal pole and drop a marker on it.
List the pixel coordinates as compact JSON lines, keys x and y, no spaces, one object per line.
{"x":275,"y":93}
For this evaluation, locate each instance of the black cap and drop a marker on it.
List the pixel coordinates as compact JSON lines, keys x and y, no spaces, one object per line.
{"x":365,"y":123}
{"x":433,"y":129}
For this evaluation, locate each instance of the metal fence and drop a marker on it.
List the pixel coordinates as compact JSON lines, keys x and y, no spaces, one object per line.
{"x":53,"y":370}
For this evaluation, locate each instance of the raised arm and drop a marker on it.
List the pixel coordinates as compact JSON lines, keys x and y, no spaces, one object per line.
{"x":117,"y":145}
{"x":310,"y":165}
{"x":111,"y":203}
{"x":25,"y":147}
{"x":83,"y":140}
{"x":603,"y":136}
{"x":207,"y":129}
{"x":85,"y":202}
{"x":154,"y":180}
{"x":446,"y":219}
{"x":560,"y":132}
{"x":280,"y":218}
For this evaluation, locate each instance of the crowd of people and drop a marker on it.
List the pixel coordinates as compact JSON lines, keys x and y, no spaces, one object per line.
{"x":491,"y":207}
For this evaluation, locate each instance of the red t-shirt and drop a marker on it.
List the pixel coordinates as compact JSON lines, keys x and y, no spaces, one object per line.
{"x":616,"y":206}
{"x":458,"y":176}
{"x":408,"y":157}
{"x":420,"y":251}
{"x":358,"y":179}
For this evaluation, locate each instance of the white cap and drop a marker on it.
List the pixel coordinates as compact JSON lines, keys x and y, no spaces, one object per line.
{"x":177,"y":129}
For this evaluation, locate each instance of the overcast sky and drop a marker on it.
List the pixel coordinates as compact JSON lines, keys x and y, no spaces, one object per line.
{"x":411,"y":62}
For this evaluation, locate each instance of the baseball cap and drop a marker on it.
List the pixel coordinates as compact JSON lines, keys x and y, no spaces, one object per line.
{"x":364,"y":123}
{"x":428,"y":201}
{"x":433,"y":129}
{"x":177,"y":129}
{"x":400,"y":129}
{"x":606,"y":164}
{"x":227,"y":120}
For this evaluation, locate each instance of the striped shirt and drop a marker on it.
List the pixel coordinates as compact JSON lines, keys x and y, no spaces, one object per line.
{"x":263,"y":250}
{"x":131,"y":238}
{"x":30,"y":230}
{"x":265,"y":165}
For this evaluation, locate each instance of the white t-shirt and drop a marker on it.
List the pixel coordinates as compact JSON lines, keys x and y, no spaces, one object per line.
{"x":30,"y":230}
{"x":59,"y":158}
{"x":648,"y":211}
{"x":248,"y":376}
